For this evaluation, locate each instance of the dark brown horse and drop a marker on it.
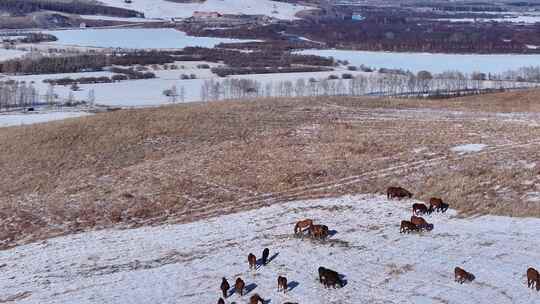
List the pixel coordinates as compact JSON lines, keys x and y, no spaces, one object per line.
{"x":265,"y":254}
{"x":256,"y":299}
{"x":437,"y":204}
{"x":418,"y":209}
{"x":252,"y":260}
{"x":282,"y":284}
{"x":329,"y":277}
{"x":397,"y":192}
{"x":302,"y":226}
{"x":318,"y":231}
{"x":239,"y":286}
{"x":533,"y":278}
{"x":407,"y":227}
{"x":461,"y":276}
{"x":225,"y":287}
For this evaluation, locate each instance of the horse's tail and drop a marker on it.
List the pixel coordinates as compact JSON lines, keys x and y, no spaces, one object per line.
{"x":296,"y":227}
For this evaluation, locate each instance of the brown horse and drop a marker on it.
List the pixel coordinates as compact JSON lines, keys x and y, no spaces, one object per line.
{"x":418,"y":209}
{"x":418,"y":221}
{"x":282,"y":284}
{"x":437,"y":204}
{"x":225,"y":287}
{"x":302,"y":226}
{"x":256,"y":299}
{"x":397,"y":192}
{"x":461,"y":276}
{"x":533,"y":278}
{"x":239,"y":286}
{"x":318,"y":231}
{"x":252,"y":260}
{"x":407,"y":227}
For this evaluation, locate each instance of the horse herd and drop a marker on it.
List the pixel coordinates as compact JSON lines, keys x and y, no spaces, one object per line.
{"x":417,"y":224}
{"x":330,"y":278}
{"x":327,"y":277}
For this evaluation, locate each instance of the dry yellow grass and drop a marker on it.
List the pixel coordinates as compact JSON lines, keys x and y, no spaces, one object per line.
{"x":182,"y":163}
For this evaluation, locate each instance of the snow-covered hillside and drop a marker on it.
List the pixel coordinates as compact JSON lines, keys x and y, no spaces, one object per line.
{"x":184,"y":263}
{"x":168,"y":9}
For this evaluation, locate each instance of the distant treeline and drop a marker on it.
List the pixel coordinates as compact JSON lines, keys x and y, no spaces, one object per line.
{"x":21,"y":8}
{"x":226,"y":71}
{"x":80,"y":63}
{"x":123,"y":74}
{"x":262,"y":59}
{"x":29,"y":37}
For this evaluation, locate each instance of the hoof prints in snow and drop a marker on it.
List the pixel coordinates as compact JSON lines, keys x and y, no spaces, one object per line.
{"x":185,"y":263}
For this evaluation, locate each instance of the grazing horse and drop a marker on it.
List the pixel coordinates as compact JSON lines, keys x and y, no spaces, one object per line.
{"x":461,"y":276}
{"x":407,"y":226}
{"x":265,"y":254}
{"x":329,"y":277}
{"x":318,"y":231}
{"x":225,"y":287}
{"x":221,"y":301}
{"x":533,"y":278}
{"x":256,"y":299}
{"x":252,"y":260}
{"x":397,"y":192}
{"x":421,"y":223}
{"x":437,"y":204}
{"x":302,"y":226}
{"x":239,"y":286}
{"x":282,"y":284}
{"x":419,"y":208}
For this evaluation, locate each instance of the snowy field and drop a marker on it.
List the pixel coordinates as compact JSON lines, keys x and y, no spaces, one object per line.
{"x":18,"y":119}
{"x":466,"y":63}
{"x":169,"y":9}
{"x":132,"y":38}
{"x":184,"y":263}
{"x":10,"y":54}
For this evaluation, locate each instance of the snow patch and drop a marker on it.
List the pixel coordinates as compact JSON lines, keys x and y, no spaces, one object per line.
{"x":468,"y":148}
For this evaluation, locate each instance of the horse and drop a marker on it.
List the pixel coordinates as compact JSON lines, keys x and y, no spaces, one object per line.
{"x":407,"y":226}
{"x":461,"y":276}
{"x":421,"y":223}
{"x":265,"y":254}
{"x":256,"y":299}
{"x":329,"y":277}
{"x":437,"y":204}
{"x":252,"y":260}
{"x":221,"y":301}
{"x":397,"y":192}
{"x":225,"y":287}
{"x":533,"y":278}
{"x":420,"y":209}
{"x":318,"y":231}
{"x":302,"y":226}
{"x":282,"y":284}
{"x":239,"y":286}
